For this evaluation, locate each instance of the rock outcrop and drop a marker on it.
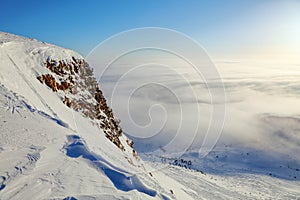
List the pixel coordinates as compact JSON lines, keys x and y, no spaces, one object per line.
{"x":75,"y":82}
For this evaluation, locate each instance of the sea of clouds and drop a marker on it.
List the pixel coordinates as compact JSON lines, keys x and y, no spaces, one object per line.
{"x":165,"y":105}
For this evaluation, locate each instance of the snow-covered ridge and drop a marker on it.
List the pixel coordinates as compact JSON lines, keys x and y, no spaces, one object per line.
{"x":33,"y":46}
{"x":70,"y":77}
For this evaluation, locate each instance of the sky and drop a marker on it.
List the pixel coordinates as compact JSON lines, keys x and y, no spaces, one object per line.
{"x":230,"y":29}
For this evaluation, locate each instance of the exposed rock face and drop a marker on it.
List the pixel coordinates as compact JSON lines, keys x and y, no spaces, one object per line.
{"x":49,"y":80}
{"x":75,"y":83}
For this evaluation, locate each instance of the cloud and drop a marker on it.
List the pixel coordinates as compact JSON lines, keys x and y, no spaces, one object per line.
{"x":166,"y":104}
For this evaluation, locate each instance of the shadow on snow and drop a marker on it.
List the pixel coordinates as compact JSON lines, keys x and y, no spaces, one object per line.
{"x":77,"y":148}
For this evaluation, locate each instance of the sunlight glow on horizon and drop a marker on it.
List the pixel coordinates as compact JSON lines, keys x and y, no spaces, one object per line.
{"x":268,"y":31}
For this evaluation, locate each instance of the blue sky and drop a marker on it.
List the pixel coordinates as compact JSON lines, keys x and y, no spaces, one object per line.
{"x":229,"y":28}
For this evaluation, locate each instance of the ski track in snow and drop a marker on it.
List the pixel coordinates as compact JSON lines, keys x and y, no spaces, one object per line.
{"x":31,"y":86}
{"x":13,"y":103}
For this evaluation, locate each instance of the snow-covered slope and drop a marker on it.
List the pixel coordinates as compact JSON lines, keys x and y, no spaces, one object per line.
{"x":59,"y":140}
{"x":58,"y":137}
